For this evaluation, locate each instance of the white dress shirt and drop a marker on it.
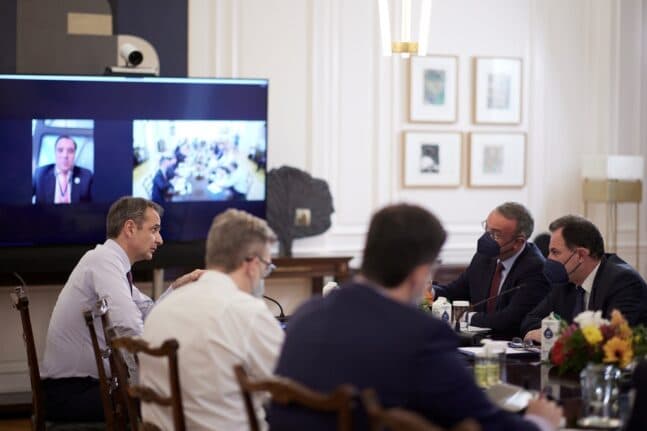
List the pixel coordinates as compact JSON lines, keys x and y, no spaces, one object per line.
{"x":217,"y":326}
{"x":587,"y":285}
{"x":101,"y":272}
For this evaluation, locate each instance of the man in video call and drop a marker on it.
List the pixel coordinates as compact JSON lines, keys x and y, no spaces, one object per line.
{"x":506,"y":268}
{"x":583,"y":277}
{"x":68,"y":369}
{"x":162,"y":186}
{"x":63,"y":182}
{"x":370,"y":333}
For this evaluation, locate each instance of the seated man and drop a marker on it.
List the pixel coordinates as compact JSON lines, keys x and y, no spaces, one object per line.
{"x":370,"y":334}
{"x":69,"y":370}
{"x":505,"y":264}
{"x":583,"y":278}
{"x":219,"y":321}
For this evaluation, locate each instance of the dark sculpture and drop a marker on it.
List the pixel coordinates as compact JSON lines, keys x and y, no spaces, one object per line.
{"x":297,"y":206}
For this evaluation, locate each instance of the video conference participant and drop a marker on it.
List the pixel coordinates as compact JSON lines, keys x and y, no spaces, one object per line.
{"x":584,"y":277}
{"x":219,"y":321}
{"x":63,"y":182}
{"x":162,"y":186}
{"x":504,"y":261}
{"x":68,"y":369}
{"x":369,"y":333}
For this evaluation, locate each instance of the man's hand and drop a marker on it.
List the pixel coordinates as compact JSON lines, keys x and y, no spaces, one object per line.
{"x":547,"y":410}
{"x":187,"y":278}
{"x":534,"y":335}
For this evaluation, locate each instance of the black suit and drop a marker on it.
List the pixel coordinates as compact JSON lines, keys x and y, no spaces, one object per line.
{"x":357,"y":335}
{"x":45,"y":183}
{"x":616,"y":285}
{"x":474,"y":285}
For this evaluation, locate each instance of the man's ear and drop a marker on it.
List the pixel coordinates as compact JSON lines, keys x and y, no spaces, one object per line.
{"x":583,"y":252}
{"x":129,"y":228}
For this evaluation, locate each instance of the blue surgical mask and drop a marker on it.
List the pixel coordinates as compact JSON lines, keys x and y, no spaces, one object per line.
{"x":555,"y":271}
{"x":487,"y":246}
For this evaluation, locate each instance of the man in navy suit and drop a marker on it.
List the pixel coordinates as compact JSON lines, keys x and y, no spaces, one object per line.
{"x":584,"y":277}
{"x":162,"y":187}
{"x":62,"y":182}
{"x":507,"y":265}
{"x":370,"y":334}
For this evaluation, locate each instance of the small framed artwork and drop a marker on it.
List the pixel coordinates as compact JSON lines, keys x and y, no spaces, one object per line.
{"x":497,"y":160}
{"x":497,"y":90}
{"x":432,"y":159}
{"x":434,"y":89}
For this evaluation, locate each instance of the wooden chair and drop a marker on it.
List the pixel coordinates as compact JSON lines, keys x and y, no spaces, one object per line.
{"x":285,"y":391}
{"x":114,"y":407}
{"x":135,"y":393}
{"x":20,"y":302}
{"x":399,"y":419}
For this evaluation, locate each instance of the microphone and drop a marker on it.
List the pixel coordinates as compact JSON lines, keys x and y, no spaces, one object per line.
{"x":457,"y":326}
{"x":281,"y":317}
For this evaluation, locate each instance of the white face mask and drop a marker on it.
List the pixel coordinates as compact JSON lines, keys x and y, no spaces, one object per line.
{"x":259,"y":290}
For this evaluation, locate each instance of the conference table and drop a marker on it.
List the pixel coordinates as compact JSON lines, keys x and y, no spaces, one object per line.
{"x":528,"y":372}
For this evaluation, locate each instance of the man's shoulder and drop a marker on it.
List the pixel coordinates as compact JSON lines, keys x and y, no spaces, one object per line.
{"x":82,"y":172}
{"x":43,"y":170}
{"x":612,"y":267}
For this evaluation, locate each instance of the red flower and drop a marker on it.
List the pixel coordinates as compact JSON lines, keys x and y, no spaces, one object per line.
{"x":557,"y":352}
{"x":607,"y":331}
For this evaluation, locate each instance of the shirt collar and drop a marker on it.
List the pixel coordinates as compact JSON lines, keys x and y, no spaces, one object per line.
{"x":588,"y":281}
{"x":121,"y":253}
{"x":507,"y":264}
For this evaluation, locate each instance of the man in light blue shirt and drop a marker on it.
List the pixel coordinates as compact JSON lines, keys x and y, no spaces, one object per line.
{"x":69,"y":371}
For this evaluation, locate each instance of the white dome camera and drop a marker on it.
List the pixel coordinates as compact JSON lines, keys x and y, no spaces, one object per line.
{"x":131,"y":54}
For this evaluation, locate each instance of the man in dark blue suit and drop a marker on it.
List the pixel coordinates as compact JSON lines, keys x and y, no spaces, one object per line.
{"x":162,"y":187}
{"x":584,"y":277}
{"x":370,"y":333}
{"x":507,"y":265}
{"x":62,"y":182}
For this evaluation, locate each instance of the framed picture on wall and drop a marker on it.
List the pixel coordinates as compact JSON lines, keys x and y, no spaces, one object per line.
{"x":432,"y":159}
{"x":497,"y":160}
{"x":433,"y":95}
{"x":497,"y":90}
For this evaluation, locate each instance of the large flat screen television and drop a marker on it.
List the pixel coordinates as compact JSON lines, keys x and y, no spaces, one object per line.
{"x":72,"y":145}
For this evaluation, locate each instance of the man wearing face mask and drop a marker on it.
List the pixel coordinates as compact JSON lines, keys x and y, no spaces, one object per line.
{"x":219,"y":321}
{"x":584,"y":277}
{"x":506,"y":268}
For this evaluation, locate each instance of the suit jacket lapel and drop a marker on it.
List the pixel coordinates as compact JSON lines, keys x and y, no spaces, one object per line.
{"x":594,"y":303}
{"x":49,"y":185}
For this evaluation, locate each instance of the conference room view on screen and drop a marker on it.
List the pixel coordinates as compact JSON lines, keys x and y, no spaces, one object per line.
{"x":186,"y":160}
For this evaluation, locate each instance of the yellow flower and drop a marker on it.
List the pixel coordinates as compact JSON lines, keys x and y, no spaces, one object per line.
{"x":624,"y":331}
{"x":617,"y":319}
{"x":592,"y":334}
{"x":618,"y":350}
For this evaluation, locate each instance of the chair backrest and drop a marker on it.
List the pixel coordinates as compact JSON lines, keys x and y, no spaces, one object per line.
{"x":399,"y":419}
{"x":285,"y":391}
{"x":144,"y":394}
{"x":20,"y":302}
{"x":113,"y":406}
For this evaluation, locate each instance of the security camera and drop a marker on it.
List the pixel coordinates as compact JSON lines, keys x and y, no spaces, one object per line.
{"x":131,"y":54}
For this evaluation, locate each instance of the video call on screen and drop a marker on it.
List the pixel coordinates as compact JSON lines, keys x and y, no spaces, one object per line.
{"x":71,"y":148}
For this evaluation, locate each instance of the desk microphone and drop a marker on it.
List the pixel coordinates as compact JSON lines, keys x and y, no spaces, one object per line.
{"x":457,"y":326}
{"x":281,"y":317}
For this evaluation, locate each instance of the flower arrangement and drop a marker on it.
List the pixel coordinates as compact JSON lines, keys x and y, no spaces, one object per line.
{"x":590,"y":338}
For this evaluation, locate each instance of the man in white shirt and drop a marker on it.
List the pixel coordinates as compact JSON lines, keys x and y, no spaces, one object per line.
{"x":69,"y":370}
{"x":219,"y":321}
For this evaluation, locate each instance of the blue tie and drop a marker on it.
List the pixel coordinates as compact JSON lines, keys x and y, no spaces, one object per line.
{"x":579,"y":301}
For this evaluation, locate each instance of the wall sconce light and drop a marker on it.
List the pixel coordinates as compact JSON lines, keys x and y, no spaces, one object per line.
{"x":412,"y":41}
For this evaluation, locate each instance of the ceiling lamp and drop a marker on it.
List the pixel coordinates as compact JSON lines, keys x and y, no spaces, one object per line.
{"x":410,"y":42}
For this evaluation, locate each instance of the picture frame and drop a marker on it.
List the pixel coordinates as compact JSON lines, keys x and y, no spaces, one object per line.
{"x":434,"y":89}
{"x":432,"y":159}
{"x":497,"y":160}
{"x":497,"y":90}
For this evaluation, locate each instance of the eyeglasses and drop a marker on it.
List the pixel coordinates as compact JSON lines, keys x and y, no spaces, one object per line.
{"x":269,"y":266}
{"x":494,"y":234}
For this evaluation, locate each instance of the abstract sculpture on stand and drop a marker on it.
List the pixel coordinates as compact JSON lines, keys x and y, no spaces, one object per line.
{"x":298,"y":206}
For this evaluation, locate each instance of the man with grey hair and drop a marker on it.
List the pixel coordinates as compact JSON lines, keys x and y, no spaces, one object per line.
{"x":69,"y":370}
{"x":219,"y":321}
{"x":505,"y":275}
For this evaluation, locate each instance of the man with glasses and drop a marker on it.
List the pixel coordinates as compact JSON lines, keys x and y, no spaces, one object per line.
{"x":219,"y":321}
{"x":504,"y":280}
{"x":584,"y":277}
